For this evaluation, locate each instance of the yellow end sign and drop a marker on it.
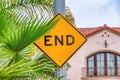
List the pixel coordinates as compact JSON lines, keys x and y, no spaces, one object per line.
{"x":61,"y":42}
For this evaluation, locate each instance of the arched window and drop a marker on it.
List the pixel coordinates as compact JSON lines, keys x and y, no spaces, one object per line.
{"x":104,"y":63}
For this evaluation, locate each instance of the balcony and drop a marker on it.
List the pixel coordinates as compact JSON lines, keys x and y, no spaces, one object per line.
{"x":100,"y":71}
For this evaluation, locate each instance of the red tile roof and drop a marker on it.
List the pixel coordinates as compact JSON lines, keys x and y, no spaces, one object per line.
{"x":90,"y":31}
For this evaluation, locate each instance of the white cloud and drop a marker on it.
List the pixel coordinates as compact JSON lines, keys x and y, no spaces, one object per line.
{"x":94,"y":12}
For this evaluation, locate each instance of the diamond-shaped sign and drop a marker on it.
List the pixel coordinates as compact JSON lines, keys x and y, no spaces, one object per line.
{"x":61,"y":42}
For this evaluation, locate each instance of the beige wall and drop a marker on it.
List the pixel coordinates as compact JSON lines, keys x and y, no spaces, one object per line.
{"x":94,"y":44}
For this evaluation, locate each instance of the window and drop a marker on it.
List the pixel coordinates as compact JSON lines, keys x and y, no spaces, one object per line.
{"x":104,"y":63}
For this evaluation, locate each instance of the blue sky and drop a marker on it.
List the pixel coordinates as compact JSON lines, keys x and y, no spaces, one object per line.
{"x":95,"y":13}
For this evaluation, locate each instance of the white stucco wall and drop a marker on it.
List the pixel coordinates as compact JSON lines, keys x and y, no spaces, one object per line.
{"x":94,"y":44}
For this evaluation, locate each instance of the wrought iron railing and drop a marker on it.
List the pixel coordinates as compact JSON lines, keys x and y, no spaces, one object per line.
{"x":100,"y":71}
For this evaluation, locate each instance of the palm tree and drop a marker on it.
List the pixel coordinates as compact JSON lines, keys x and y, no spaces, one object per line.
{"x":21,"y":23}
{"x":69,"y":16}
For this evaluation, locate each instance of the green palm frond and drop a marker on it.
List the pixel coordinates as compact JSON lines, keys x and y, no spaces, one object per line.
{"x":40,"y":67}
{"x":8,"y":3}
{"x":47,"y":68}
{"x":18,"y":39}
{"x":21,"y":23}
{"x":30,"y":7}
{"x":19,"y":69}
{"x":5,"y":23}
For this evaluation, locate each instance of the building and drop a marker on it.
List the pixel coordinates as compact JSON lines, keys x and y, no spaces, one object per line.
{"x":99,"y":57}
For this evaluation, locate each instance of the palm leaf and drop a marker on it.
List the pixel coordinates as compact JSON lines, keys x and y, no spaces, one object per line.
{"x":8,"y":3}
{"x":23,"y":22}
{"x":18,"y":69}
{"x":47,"y":68}
{"x":30,"y":7}
{"x":18,"y":39}
{"x":40,"y":67}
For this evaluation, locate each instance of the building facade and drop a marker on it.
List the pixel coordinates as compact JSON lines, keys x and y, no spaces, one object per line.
{"x":99,"y":57}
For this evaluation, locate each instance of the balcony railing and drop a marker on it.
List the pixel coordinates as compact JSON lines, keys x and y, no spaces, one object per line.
{"x":100,"y":71}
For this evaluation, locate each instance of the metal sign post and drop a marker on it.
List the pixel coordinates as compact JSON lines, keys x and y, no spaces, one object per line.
{"x":59,"y":7}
